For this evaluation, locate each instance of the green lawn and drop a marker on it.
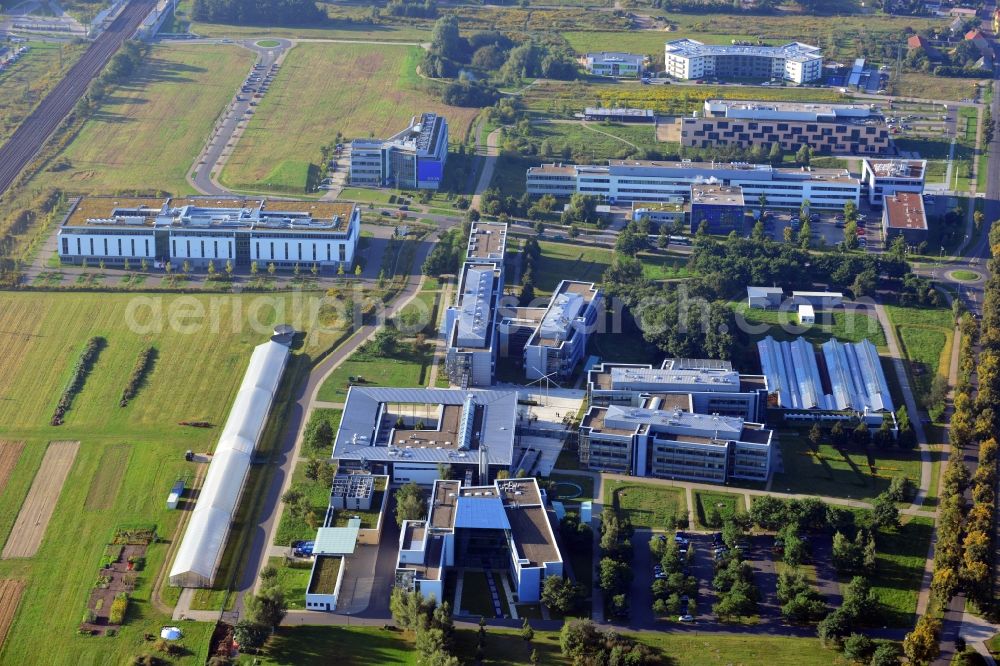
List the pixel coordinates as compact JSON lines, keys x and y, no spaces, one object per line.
{"x":845,"y":325}
{"x":925,"y":336}
{"x":591,"y":142}
{"x":965,"y":276}
{"x":853,"y":473}
{"x":405,"y":368}
{"x":308,"y":645}
{"x":726,"y":504}
{"x":360,"y":90}
{"x":293,"y":579}
{"x":899,"y":569}
{"x":195,"y":377}
{"x":147,"y":134}
{"x":654,"y":507}
{"x":564,"y":261}
{"x":25,"y":83}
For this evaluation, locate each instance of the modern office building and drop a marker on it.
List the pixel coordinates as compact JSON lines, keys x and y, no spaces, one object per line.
{"x":661,"y":440}
{"x":826,"y":128}
{"x":200,"y":230}
{"x":796,"y":62}
{"x":502,"y":527}
{"x":849,"y":382}
{"x":670,"y":213}
{"x":615,"y":64}
{"x":411,"y":160}
{"x":720,"y":208}
{"x":903,"y":215}
{"x":631,"y":181}
{"x":884,"y":177}
{"x":470,"y":325}
{"x":407,"y":433}
{"x":559,"y":341}
{"x":702,"y":386}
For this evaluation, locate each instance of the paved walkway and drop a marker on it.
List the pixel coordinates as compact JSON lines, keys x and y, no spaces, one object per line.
{"x":489,"y":165}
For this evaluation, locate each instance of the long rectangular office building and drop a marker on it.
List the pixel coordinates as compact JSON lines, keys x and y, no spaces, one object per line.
{"x":470,"y":326}
{"x":413,"y":159}
{"x":826,"y":128}
{"x":503,"y":527}
{"x":631,"y":181}
{"x":200,"y":230}
{"x":690,"y":59}
{"x":660,"y":439}
{"x":713,"y":386}
{"x":884,"y":178}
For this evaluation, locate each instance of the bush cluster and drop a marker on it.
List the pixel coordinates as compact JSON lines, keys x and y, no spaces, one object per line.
{"x":142,"y":365}
{"x":80,"y":370}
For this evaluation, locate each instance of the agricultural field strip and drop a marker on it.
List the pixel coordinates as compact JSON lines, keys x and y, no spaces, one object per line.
{"x":10,"y":596}
{"x":10,"y":452}
{"x":29,"y":528}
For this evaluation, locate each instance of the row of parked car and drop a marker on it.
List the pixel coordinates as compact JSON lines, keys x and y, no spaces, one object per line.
{"x":257,"y":82}
{"x":10,"y":56}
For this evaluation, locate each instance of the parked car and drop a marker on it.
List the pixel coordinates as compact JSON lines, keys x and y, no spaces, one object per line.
{"x":303,"y":548}
{"x":688,"y":618}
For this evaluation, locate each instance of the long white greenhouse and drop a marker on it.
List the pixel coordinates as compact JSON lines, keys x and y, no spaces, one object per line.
{"x":208,"y":528}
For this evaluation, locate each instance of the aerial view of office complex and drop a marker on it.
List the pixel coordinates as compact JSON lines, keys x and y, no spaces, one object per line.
{"x":588,"y":332}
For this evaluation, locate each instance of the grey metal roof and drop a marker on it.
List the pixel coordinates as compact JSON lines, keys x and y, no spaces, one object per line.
{"x":337,"y":540}
{"x":796,"y":51}
{"x":363,"y":406}
{"x":764,"y":292}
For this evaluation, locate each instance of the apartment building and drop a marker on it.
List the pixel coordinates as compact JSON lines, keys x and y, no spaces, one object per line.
{"x":688,"y":59}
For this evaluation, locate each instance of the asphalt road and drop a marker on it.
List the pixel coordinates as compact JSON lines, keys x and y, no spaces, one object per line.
{"x":28,"y":139}
{"x":240,"y":109}
{"x":284,"y":459}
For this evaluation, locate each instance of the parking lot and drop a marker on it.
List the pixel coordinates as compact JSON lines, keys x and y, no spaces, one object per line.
{"x":826,"y":227}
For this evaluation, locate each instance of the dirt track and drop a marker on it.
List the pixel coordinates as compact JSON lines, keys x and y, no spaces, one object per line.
{"x":10,"y":452}
{"x":10,"y":596}
{"x":29,"y":528}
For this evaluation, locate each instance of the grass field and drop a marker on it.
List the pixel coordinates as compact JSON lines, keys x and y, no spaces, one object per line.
{"x":360,"y":90}
{"x":293,"y":578}
{"x":900,"y":566}
{"x":591,"y":142}
{"x":925,"y":337}
{"x":561,"y":98}
{"x":928,"y":86}
{"x":727,"y":504}
{"x":783,"y":325}
{"x":195,"y":377}
{"x":828,"y":472}
{"x":24,"y":84}
{"x":655,"y":507}
{"x":405,"y":368}
{"x":147,"y":134}
{"x":311,"y":645}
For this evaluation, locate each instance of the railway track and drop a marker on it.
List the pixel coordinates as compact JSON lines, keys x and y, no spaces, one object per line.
{"x":28,"y":139}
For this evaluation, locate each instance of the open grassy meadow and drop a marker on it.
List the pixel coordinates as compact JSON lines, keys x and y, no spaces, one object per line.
{"x":360,"y":90}
{"x":128,"y":457}
{"x":844,"y":325}
{"x":900,"y":566}
{"x":925,"y":337}
{"x":652,"y":506}
{"x":147,"y":134}
{"x":852,"y":473}
{"x":25,"y":83}
{"x":304,"y":646}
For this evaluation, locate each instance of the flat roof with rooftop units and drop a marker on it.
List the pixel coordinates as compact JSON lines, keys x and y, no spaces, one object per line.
{"x":806,"y":111}
{"x":717,"y":195}
{"x":487,"y":240}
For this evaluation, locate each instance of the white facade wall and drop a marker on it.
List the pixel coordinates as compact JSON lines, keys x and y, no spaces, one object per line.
{"x":303,"y":251}
{"x":202,"y":248}
{"x":109,"y":245}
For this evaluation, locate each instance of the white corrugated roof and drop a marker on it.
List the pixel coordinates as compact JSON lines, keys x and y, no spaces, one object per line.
{"x":205,"y":536}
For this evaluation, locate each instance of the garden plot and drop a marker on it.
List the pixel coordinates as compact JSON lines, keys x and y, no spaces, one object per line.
{"x":29,"y":528}
{"x":10,"y":596}
{"x":10,"y":452}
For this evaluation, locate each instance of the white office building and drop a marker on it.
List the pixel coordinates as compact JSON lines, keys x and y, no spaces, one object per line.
{"x":559,"y":341}
{"x":616,"y":64}
{"x":200,"y":230}
{"x":631,"y":180}
{"x":502,"y":527}
{"x":887,"y":177}
{"x":689,"y":59}
{"x":410,"y":160}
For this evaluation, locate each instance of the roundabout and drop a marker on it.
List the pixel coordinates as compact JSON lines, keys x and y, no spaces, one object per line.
{"x":963,"y":275}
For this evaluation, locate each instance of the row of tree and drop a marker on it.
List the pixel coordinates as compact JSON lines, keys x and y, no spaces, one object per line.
{"x":257,"y":12}
{"x":431,"y":623}
{"x":615,"y":569}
